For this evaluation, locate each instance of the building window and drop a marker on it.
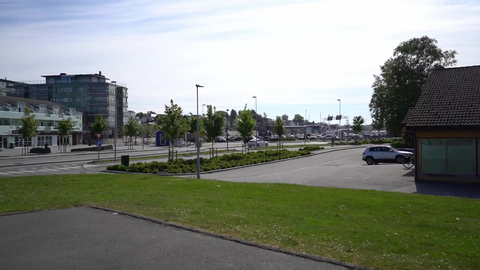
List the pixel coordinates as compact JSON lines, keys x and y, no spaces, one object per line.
{"x":478,"y":157}
{"x":433,"y":155}
{"x":448,"y":156}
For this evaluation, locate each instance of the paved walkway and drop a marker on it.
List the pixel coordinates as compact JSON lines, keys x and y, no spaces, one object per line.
{"x":86,"y":238}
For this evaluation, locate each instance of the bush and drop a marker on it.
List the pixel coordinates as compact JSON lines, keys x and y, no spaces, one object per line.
{"x":216,"y":163}
{"x":311,"y":148}
{"x":117,"y":167}
{"x":132,"y":168}
{"x":400,"y":144}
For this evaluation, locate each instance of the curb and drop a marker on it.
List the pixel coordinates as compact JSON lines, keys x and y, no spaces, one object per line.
{"x":321,"y":152}
{"x":232,"y":239}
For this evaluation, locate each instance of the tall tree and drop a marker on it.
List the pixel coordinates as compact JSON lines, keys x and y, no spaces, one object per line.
{"x":245,"y":123}
{"x":64,"y":128}
{"x":285,"y":118}
{"x":298,"y":119}
{"x":28,"y":129}
{"x":99,"y":125}
{"x":402,"y":77}
{"x":233,"y":117}
{"x":146,"y":131}
{"x":173,"y":124}
{"x":131,"y":129}
{"x":358,"y":122}
{"x":278,"y":128}
{"x":377,"y":124}
{"x":213,"y":123}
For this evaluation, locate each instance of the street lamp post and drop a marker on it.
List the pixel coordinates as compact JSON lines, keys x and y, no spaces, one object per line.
{"x":227,"y":127}
{"x":339,"y":112}
{"x":256,"y":121}
{"x":198,"y":139}
{"x":115,"y":125}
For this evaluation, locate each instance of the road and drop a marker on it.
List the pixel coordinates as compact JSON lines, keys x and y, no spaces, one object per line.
{"x":343,"y":169}
{"x":71,"y":163}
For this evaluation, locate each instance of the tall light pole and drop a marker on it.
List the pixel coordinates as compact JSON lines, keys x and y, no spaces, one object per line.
{"x":256,"y":120}
{"x":198,"y":139}
{"x":115,"y":125}
{"x":227,"y":126}
{"x":339,"y":112}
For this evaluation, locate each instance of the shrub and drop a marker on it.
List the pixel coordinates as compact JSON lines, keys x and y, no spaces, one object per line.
{"x":400,"y":144}
{"x":132,"y":168}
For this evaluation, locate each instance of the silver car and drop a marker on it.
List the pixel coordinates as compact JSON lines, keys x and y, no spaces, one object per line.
{"x":257,"y":143}
{"x":384,"y":153}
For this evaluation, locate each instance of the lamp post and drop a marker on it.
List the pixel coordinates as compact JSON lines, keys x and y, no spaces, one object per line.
{"x":115,"y":125}
{"x":256,"y":119}
{"x":197,"y":139}
{"x":227,"y":126}
{"x":339,"y":112}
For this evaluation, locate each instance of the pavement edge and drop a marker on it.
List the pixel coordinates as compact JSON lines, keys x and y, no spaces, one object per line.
{"x":233,"y":239}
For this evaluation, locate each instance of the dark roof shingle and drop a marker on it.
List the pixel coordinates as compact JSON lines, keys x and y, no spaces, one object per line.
{"x":450,"y":98}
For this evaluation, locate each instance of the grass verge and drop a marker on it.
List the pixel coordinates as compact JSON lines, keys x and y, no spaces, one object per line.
{"x":367,"y":228}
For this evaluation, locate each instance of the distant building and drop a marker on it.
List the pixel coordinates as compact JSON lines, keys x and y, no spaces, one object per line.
{"x":48,"y":114}
{"x":92,"y":94}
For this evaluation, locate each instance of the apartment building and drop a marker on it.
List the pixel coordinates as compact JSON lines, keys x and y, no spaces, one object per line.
{"x":91,"y":94}
{"x":47,"y":114}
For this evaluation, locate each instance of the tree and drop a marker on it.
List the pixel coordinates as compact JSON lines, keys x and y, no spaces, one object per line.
{"x":131,"y":129}
{"x":233,"y":117}
{"x":213,"y":123}
{"x":28,"y":129}
{"x":402,"y":77}
{"x":285,"y":118}
{"x":99,"y":125}
{"x":278,"y":128}
{"x":377,"y":124}
{"x":173,"y":124}
{"x":358,"y":122}
{"x":245,"y":123}
{"x":64,"y":128}
{"x":298,"y":119}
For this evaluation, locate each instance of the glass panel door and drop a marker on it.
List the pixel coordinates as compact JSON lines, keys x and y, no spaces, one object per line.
{"x":461,"y":156}
{"x":433,"y":156}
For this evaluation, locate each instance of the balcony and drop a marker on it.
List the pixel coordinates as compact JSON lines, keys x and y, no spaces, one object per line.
{"x":96,"y":102}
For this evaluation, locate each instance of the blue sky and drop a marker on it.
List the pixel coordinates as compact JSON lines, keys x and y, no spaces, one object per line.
{"x":293,"y":55}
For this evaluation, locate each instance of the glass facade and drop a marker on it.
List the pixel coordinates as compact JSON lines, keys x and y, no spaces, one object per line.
{"x":448,"y":156}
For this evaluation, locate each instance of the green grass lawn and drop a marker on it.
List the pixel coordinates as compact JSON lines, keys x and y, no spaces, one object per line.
{"x":367,"y":228}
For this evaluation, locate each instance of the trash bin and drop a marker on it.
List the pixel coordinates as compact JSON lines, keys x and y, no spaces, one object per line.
{"x":199,"y":144}
{"x":125,"y":160}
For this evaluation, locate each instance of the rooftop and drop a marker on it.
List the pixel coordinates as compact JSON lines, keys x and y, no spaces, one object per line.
{"x":450,"y":98}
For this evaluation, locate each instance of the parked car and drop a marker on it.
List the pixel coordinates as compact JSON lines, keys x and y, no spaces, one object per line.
{"x":220,"y":139}
{"x":329,"y":137}
{"x":257,"y":143}
{"x":384,"y":153}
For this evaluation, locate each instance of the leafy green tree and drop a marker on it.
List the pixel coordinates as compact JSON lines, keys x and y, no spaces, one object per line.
{"x":64,"y":128}
{"x":213,"y":123}
{"x":245,"y":123}
{"x":279,"y":129}
{"x":377,"y":124}
{"x":233,"y":117}
{"x":99,"y":125}
{"x":358,"y":122}
{"x":298,"y":119}
{"x":285,"y":118}
{"x":174,"y":124}
{"x":402,"y":77}
{"x":131,"y":129}
{"x":28,"y":129}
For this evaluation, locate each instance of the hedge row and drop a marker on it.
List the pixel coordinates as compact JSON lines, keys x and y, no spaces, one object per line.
{"x":216,"y":163}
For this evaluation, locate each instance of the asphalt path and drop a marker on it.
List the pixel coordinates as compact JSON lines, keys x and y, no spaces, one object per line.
{"x":342,"y":169}
{"x":86,"y":238}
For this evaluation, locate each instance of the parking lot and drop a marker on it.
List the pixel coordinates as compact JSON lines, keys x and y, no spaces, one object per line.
{"x":343,"y":169}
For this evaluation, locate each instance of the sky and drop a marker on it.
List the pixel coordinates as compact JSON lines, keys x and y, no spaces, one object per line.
{"x":296,"y":57}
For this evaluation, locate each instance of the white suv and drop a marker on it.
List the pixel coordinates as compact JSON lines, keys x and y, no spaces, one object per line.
{"x":384,"y":153}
